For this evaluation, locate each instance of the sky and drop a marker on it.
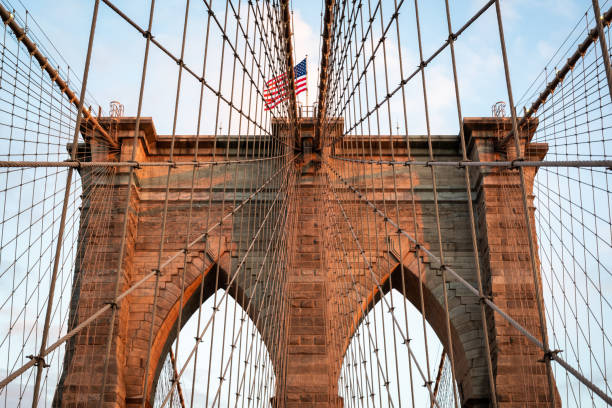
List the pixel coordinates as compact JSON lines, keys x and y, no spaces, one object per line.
{"x":534,"y":30}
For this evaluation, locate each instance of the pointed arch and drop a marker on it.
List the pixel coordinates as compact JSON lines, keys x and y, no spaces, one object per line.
{"x":385,"y":372}
{"x":208,"y":280}
{"x":406,"y":284}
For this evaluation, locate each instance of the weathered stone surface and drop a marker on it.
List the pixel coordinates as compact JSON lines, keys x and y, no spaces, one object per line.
{"x":326,"y":299}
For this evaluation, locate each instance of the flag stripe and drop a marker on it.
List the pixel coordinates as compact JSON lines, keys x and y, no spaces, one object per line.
{"x":276,"y":91}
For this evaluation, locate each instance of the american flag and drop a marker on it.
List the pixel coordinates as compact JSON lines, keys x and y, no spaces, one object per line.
{"x":276,"y":90}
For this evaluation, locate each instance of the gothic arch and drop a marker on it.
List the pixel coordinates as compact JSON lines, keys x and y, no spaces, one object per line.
{"x":434,"y":310}
{"x":211,"y":279}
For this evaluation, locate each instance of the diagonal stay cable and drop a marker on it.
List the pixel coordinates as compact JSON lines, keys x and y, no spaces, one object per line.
{"x":39,"y":359}
{"x":471,"y":288}
{"x":354,"y":284}
{"x":123,"y":295}
{"x":405,"y":81}
{"x":247,"y":309}
{"x":180,"y":62}
{"x":277,"y":260}
{"x":377,"y":283}
{"x":229,"y":284}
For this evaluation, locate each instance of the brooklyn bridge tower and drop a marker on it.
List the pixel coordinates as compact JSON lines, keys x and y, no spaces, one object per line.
{"x":260,"y":251}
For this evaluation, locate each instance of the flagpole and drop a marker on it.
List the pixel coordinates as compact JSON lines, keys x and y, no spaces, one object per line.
{"x":294,"y":51}
{"x":306,"y":79}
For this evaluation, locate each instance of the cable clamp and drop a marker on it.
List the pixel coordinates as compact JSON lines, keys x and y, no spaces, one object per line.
{"x":76,"y":161}
{"x":513,"y":165}
{"x":157,"y":272}
{"x":549,"y":355}
{"x":427,"y":384}
{"x":180,"y":62}
{"x":113,"y":305}
{"x":452,"y":37}
{"x":423,"y":64}
{"x":34,"y":49}
{"x":172,"y":164}
{"x":462,"y":163}
{"x":443,"y":267}
{"x":147,"y":34}
{"x":38,"y":361}
{"x":134,"y":164}
{"x":9,"y":19}
{"x":483,"y":299}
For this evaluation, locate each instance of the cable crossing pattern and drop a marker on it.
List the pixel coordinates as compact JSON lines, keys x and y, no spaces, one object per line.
{"x":303,"y":256}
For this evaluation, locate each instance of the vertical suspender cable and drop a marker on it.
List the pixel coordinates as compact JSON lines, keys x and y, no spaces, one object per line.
{"x":60,"y":235}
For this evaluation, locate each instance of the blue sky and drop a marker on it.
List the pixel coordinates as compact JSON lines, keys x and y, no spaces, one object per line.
{"x":534,"y":30}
